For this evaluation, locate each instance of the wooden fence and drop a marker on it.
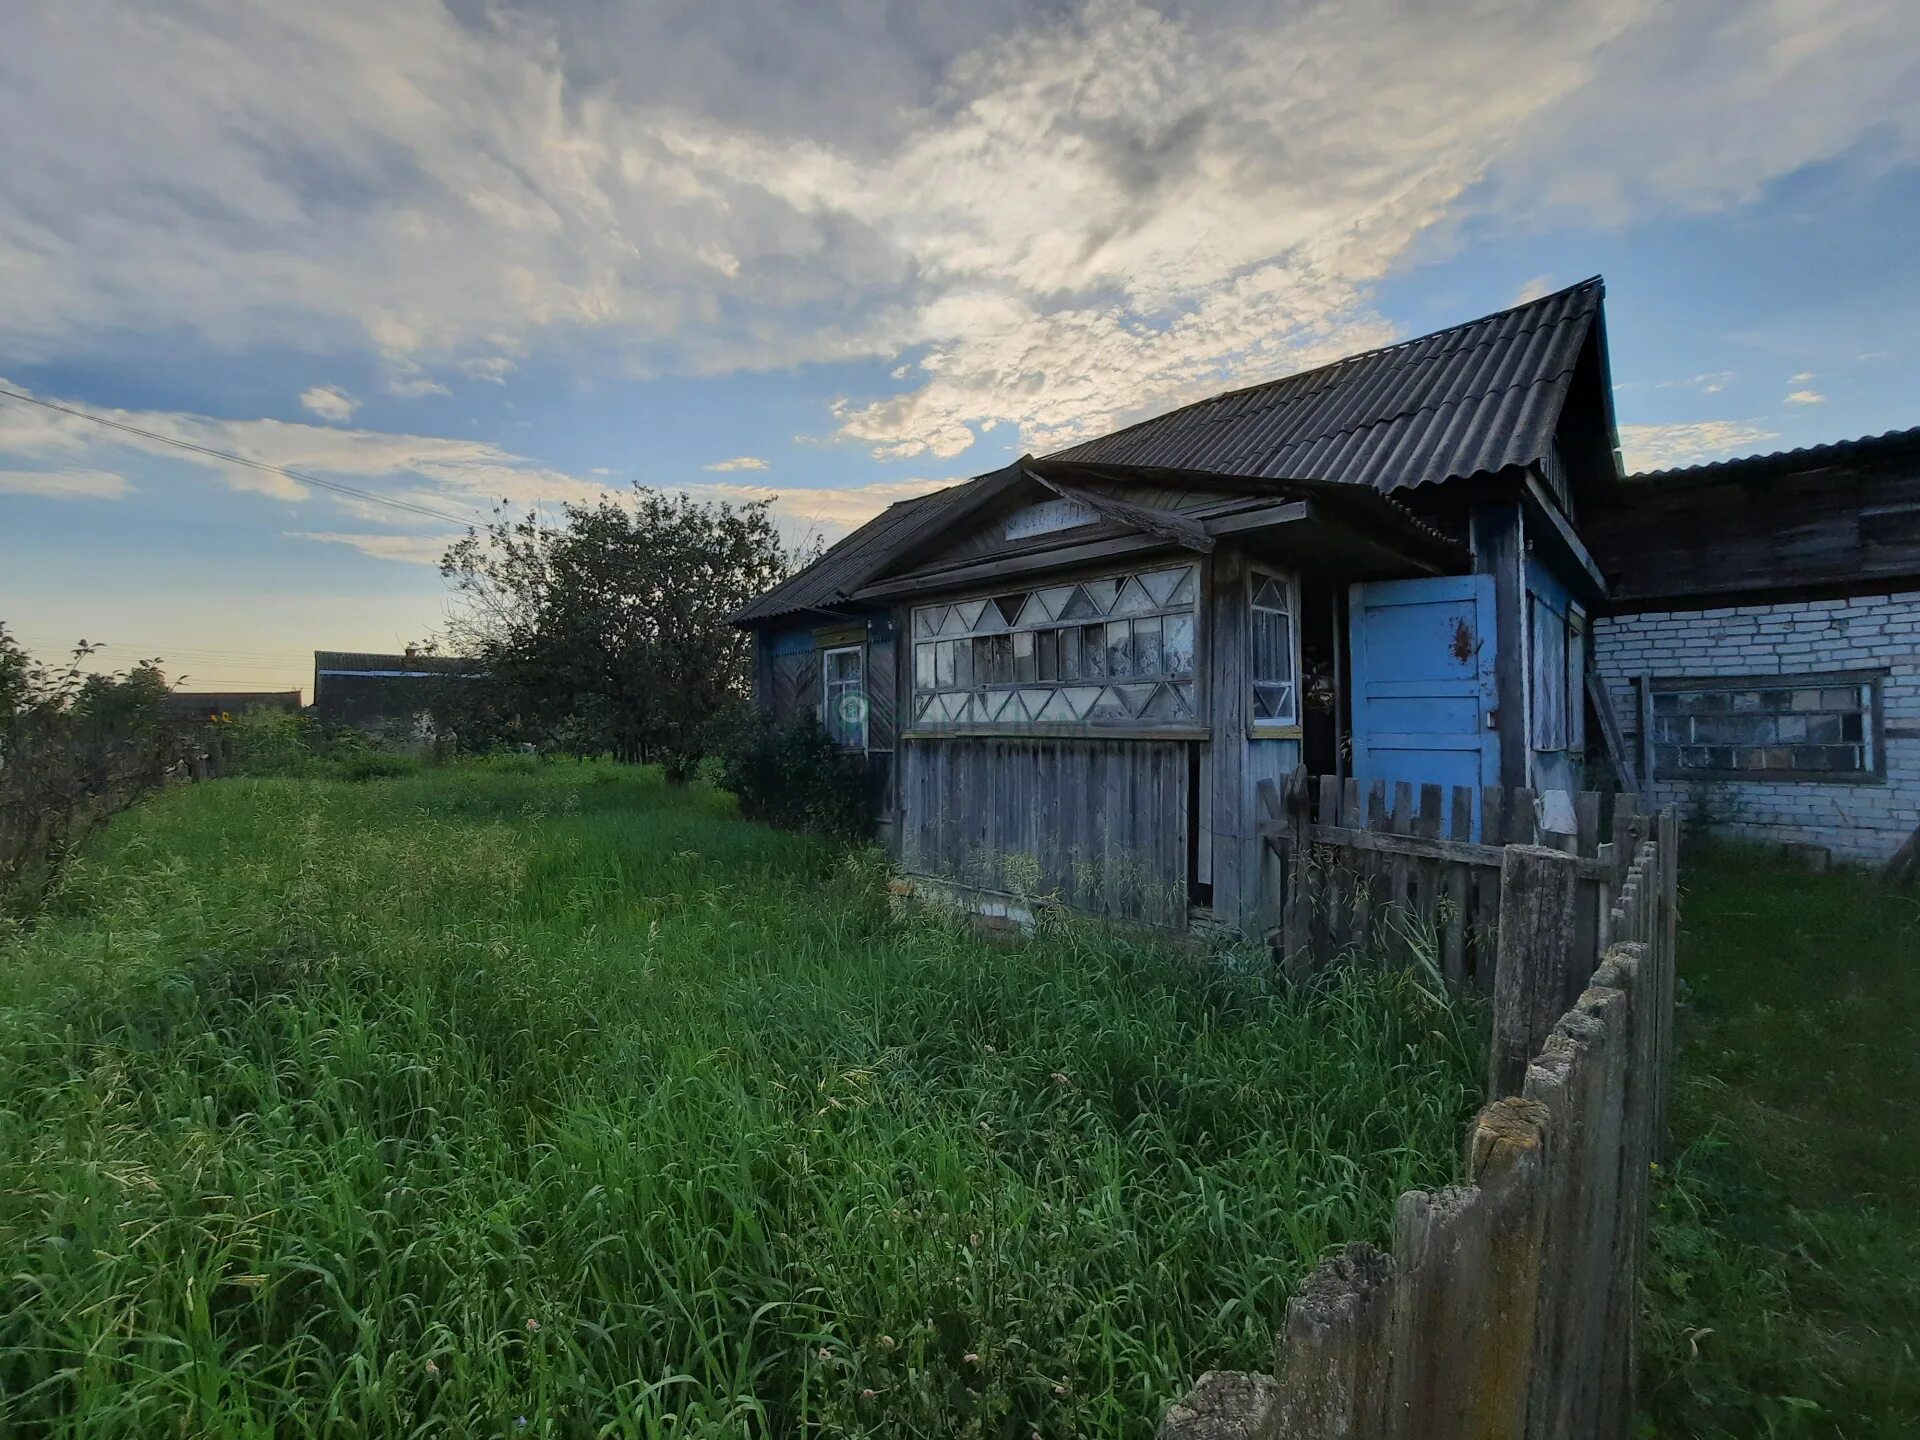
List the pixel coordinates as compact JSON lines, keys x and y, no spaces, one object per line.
{"x":1507,"y":1309}
{"x":1385,"y":871}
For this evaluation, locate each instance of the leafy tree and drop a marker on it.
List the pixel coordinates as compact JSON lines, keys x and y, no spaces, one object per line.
{"x":609,"y":631}
{"x":75,"y":748}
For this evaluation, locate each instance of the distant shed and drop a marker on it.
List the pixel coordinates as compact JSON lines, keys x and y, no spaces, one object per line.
{"x":373,"y":691}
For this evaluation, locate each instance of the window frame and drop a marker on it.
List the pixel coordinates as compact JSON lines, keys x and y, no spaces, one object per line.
{"x":827,"y":653}
{"x":1117,"y":571}
{"x":1258,"y":725}
{"x":1873,"y":728}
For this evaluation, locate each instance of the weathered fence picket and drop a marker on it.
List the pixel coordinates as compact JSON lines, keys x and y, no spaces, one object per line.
{"x":1398,"y":873}
{"x":1507,"y":1308}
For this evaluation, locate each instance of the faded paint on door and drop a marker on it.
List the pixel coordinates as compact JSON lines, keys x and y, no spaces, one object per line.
{"x":1424,"y":698}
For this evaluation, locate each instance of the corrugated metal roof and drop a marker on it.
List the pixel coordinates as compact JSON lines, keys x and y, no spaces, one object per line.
{"x":851,"y":561}
{"x":1469,"y":400}
{"x":1781,"y":461}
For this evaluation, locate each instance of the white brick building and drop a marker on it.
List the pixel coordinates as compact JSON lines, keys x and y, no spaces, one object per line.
{"x":1763,"y":654}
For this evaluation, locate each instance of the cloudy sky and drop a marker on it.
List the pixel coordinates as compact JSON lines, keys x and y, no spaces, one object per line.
{"x":446,"y":253}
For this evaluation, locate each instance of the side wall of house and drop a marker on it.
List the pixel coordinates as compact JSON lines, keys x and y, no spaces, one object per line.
{"x":1864,"y":820}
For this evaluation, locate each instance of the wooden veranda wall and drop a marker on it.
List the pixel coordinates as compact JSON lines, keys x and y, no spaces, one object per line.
{"x":1507,"y":1308}
{"x":1099,"y":825}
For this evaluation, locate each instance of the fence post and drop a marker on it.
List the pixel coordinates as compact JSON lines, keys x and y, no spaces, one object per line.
{"x":1538,"y":887}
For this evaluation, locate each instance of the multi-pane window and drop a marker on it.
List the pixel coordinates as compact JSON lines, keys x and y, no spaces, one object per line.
{"x":1274,"y":677}
{"x":843,"y":673}
{"x":1772,"y":727}
{"x":1112,"y":651}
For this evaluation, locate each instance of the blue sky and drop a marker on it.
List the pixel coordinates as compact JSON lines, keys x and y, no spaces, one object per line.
{"x":844,"y":253}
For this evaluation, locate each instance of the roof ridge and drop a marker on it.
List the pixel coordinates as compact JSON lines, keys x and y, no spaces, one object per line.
{"x":1344,"y":361}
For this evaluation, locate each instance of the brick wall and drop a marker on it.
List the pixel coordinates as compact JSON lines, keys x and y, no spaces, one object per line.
{"x":1858,"y":821}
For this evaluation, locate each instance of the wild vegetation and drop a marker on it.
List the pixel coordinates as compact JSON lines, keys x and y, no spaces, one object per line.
{"x":608,"y":631}
{"x":75,"y":749}
{"x":1784,"y":1289}
{"x":547,"y":1099}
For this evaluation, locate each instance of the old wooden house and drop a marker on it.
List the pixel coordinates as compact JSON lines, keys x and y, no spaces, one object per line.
{"x":1069,"y":675}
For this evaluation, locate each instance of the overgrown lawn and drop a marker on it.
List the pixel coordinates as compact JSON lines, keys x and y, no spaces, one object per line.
{"x":1785,"y":1284}
{"x":552,"y":1101}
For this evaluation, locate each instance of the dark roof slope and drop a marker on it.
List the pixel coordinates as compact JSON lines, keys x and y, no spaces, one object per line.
{"x":854,"y":559}
{"x":1807,"y":457}
{"x":358,"y":662}
{"x":1473,"y":399}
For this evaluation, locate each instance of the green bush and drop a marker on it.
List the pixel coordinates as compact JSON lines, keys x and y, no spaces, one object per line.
{"x":794,"y":777}
{"x":271,"y":742}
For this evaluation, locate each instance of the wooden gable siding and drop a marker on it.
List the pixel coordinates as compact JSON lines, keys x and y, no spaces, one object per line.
{"x":987,"y":537}
{"x":796,"y":685}
{"x":1840,"y":528}
{"x":1100,"y":825}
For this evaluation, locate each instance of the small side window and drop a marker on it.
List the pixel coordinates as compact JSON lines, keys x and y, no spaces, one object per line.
{"x":843,"y":674}
{"x":1274,"y":669}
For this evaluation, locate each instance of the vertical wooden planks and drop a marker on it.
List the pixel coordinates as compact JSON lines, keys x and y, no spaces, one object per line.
{"x":1459,"y":882}
{"x":1537,"y":888}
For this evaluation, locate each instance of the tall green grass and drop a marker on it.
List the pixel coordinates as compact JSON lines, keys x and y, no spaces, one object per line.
{"x":552,"y":1101}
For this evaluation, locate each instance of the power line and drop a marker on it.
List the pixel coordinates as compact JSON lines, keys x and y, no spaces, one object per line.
{"x":233,"y":459}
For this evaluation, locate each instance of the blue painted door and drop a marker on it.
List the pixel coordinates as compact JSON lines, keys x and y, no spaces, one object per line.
{"x":1423,"y":684}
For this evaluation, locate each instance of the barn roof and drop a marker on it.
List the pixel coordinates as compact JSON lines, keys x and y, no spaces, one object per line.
{"x":1469,"y":400}
{"x":1886,"y":445}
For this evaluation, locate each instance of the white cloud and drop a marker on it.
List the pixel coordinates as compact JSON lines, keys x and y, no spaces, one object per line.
{"x":1534,"y":289}
{"x":828,"y":512}
{"x":1055,"y":217}
{"x":1801,"y":378}
{"x":1711,"y":382}
{"x":412,"y":549}
{"x":739,"y":462}
{"x":66,"y":484}
{"x":439,"y":472}
{"x":1805,"y":397}
{"x":329,"y":403}
{"x":1662,"y":447}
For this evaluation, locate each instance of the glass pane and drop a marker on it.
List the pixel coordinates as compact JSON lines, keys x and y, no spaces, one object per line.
{"x":1147,"y":657}
{"x":923,"y":666}
{"x":945,"y":665}
{"x":1046,"y":655}
{"x":1093,"y":652}
{"x":993,"y":660}
{"x":1119,"y":649}
{"x":843,"y":665}
{"x":1024,"y":672}
{"x":1272,"y":646}
{"x":1271,"y":595}
{"x":963,"y":664}
{"x":1178,"y":644}
{"x":1071,"y":665}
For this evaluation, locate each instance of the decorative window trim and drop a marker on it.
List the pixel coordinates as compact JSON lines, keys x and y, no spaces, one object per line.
{"x":1111,"y":651}
{"x":858,"y":692}
{"x":1286,"y":725}
{"x":1871,"y":741}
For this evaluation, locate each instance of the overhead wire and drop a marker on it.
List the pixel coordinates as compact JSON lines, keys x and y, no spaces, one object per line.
{"x":231,"y":458}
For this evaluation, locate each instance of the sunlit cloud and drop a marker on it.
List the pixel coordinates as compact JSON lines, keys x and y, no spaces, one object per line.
{"x":329,"y":403}
{"x":1663,"y":447}
{"x":739,"y":462}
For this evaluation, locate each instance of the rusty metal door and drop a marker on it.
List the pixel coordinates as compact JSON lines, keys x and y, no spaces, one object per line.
{"x":1424,"y":698}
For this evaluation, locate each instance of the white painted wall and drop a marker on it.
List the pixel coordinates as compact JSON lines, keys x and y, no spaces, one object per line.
{"x":1857,"y":821}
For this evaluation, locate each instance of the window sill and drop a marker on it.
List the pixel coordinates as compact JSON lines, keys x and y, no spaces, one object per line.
{"x":1032,"y":731}
{"x":1764,"y":777}
{"x":1274,"y":731}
